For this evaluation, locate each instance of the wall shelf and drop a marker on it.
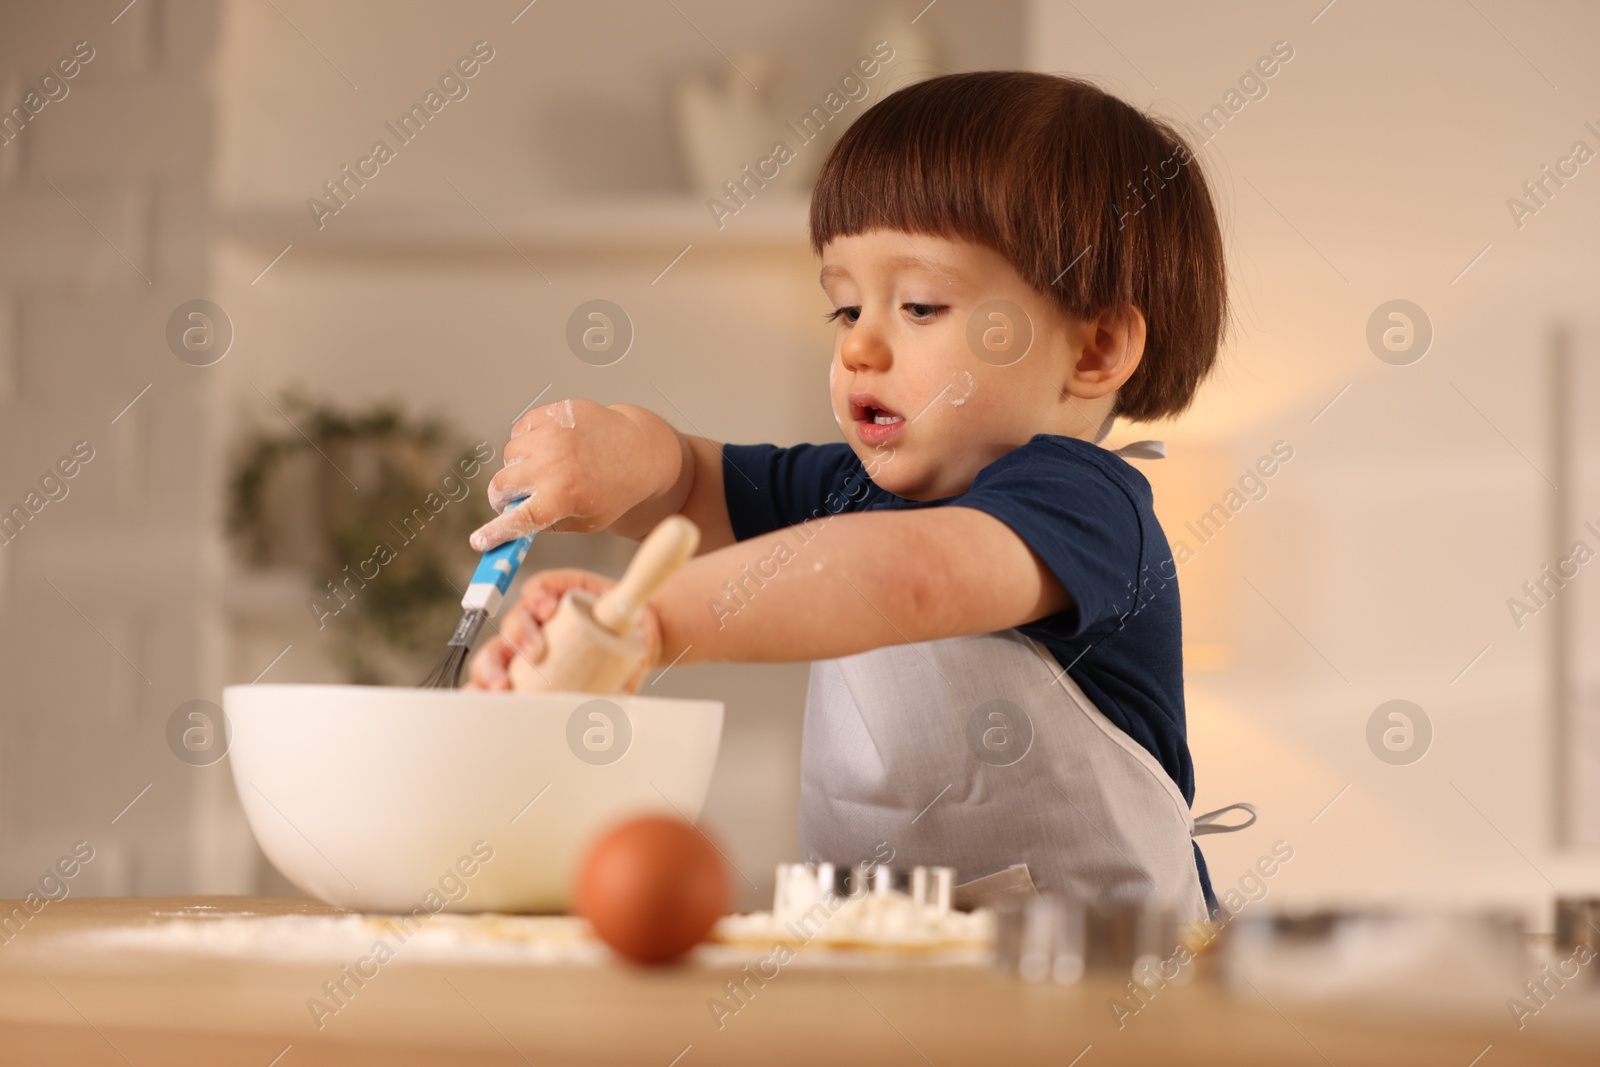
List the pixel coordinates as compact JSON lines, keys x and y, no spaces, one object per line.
{"x":608,"y":225}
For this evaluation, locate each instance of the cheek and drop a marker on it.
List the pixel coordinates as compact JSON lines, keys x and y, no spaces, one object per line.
{"x":1024,"y":386}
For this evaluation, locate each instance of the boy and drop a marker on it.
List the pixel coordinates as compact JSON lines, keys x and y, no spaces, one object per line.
{"x":991,"y":609}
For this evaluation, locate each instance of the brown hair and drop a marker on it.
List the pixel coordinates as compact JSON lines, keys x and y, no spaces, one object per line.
{"x":1093,"y":202}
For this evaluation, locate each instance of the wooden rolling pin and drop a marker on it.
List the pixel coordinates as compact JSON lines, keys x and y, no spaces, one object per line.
{"x":592,"y":644}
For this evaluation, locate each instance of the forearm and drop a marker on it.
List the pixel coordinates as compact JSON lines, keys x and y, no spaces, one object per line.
{"x":850,"y":583}
{"x":670,"y":451}
{"x":692,"y":483}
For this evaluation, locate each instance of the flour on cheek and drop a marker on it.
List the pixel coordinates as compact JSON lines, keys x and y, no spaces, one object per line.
{"x":966,"y":383}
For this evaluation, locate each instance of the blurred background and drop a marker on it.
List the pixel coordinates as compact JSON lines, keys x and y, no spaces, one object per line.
{"x":255,"y":344}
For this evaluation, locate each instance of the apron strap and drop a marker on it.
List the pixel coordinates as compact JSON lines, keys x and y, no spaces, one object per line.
{"x":1142,"y":450}
{"x":1208,"y":824}
{"x":1134,"y":449}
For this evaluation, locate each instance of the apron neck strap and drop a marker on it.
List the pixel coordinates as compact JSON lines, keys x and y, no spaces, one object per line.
{"x":1134,"y":449}
{"x":1208,"y":824}
{"x":1142,"y":450}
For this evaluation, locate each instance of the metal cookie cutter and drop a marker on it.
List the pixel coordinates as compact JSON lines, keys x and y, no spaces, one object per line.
{"x":1578,"y":923}
{"x":1338,"y":950}
{"x":1060,"y":938}
{"x":803,"y":885}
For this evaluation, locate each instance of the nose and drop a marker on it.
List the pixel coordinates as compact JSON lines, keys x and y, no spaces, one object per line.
{"x":864,"y":347}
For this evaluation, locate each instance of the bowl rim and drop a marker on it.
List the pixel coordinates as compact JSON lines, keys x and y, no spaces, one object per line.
{"x":485,"y":698}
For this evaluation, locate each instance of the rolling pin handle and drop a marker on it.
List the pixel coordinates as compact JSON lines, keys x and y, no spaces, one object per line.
{"x":665,"y":549}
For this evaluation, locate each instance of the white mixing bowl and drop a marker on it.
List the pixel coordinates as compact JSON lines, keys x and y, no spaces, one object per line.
{"x":388,"y":799}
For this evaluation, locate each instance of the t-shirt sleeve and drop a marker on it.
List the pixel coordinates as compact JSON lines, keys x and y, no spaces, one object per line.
{"x":768,"y":487}
{"x":1077,"y":518}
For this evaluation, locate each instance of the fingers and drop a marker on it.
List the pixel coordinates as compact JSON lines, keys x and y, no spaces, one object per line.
{"x":519,"y":637}
{"x":649,"y":626}
{"x":490,"y":666}
{"x":515,"y":523}
{"x":507,"y":485}
{"x":540,"y":598}
{"x":522,"y":631}
{"x":576,"y":480}
{"x":561,"y":413}
{"x":515,"y":479}
{"x":544,"y":505}
{"x":635,"y":681}
{"x":530,"y":419}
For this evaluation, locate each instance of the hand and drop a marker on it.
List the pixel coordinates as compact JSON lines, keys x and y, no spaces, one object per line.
{"x":580,"y":466}
{"x":522,"y":624}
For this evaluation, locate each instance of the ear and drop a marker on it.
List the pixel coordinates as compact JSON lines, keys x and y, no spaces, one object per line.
{"x":1108,"y":350}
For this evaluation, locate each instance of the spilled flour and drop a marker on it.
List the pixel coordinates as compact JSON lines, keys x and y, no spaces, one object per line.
{"x":445,"y":937}
{"x":494,"y":939}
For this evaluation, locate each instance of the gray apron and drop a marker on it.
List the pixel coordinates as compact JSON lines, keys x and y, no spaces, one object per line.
{"x":982,"y":754}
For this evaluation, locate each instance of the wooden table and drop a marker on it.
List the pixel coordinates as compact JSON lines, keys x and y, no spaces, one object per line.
{"x":128,"y":1005}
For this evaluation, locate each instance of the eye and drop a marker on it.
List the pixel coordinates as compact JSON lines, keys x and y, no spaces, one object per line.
{"x":925,"y":312}
{"x":848,"y":314}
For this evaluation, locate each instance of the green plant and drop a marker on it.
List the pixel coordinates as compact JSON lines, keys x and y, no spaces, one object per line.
{"x":375,"y":506}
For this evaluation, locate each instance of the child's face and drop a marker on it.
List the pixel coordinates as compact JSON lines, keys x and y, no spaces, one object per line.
{"x":905,"y":303}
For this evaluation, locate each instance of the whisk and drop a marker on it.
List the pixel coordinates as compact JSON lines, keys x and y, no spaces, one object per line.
{"x":482,"y":600}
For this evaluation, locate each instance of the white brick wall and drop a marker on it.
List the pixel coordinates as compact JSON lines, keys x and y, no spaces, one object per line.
{"x":85,"y":291}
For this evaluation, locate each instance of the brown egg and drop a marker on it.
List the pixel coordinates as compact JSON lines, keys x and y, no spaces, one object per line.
{"x":652,"y":888}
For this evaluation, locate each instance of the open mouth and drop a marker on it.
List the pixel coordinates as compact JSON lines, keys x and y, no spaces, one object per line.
{"x":875,"y":414}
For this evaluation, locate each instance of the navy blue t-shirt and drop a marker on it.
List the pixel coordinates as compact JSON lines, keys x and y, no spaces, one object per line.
{"x":1084,"y":511}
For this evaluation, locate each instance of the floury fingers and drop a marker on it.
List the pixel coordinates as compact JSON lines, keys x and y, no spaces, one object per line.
{"x":453,"y":85}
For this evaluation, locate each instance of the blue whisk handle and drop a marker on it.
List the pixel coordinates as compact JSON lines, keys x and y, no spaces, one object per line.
{"x":492,"y":580}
